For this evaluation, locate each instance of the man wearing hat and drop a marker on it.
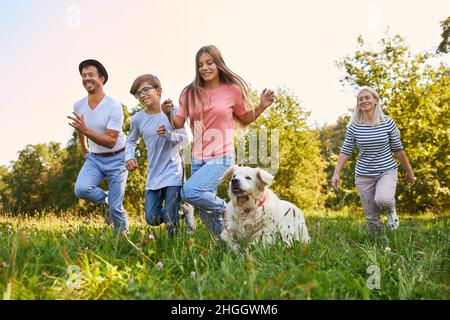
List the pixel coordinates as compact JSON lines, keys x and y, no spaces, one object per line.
{"x":99,"y":119}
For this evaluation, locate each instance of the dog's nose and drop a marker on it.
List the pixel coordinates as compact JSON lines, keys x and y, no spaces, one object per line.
{"x":235,"y":182}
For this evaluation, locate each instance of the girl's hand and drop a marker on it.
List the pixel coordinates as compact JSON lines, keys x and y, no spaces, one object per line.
{"x":267,"y":98}
{"x":167,"y":106}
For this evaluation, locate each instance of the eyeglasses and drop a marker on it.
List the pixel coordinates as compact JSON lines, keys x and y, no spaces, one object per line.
{"x":144,"y":90}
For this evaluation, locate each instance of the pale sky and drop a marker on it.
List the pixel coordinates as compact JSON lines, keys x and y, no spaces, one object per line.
{"x":283,"y":43}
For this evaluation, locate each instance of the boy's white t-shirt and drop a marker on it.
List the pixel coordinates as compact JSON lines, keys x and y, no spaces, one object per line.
{"x":107,"y":115}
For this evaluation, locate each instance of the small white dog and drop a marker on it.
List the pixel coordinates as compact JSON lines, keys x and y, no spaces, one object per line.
{"x":255,"y":213}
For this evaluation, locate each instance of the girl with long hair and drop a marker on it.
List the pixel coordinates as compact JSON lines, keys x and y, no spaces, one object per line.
{"x":213,"y":103}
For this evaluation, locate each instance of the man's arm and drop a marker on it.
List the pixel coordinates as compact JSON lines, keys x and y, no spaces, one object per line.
{"x":108,"y":139}
{"x":83,"y":142}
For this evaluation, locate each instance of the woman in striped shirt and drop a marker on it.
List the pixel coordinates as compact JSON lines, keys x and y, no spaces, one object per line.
{"x":377,"y":137}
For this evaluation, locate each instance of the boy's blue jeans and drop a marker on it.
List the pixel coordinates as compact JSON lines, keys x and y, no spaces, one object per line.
{"x":155,"y":213}
{"x":201,"y":189}
{"x":94,"y":170}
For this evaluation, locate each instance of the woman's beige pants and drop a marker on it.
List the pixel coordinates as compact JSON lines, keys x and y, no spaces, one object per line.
{"x":378,"y":193}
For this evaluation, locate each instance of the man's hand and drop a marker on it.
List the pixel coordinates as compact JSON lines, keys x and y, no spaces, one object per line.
{"x":107,"y":139}
{"x":78,"y":123}
{"x":131,"y":164}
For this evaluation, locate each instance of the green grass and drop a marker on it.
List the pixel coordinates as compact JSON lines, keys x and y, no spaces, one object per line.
{"x":37,"y":253}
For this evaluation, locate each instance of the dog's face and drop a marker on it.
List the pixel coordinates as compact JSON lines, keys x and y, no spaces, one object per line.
{"x":247,"y":181}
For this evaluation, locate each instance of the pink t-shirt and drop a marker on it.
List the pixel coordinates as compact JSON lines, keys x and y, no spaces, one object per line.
{"x":215,"y":138}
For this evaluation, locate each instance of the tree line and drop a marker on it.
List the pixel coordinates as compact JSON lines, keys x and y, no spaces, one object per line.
{"x":415,"y":91}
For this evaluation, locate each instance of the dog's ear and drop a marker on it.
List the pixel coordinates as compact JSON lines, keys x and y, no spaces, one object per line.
{"x":228,"y":173}
{"x":264,"y":177}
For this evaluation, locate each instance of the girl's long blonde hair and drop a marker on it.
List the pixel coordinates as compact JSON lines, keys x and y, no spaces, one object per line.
{"x":195,"y":92}
{"x":378,"y":115}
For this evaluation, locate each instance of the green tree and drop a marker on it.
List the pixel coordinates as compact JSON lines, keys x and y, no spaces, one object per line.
{"x":415,"y":94}
{"x":444,"y":46}
{"x":331,"y":138}
{"x":6,"y":199}
{"x":64,"y":196}
{"x":44,"y":177}
{"x":133,"y":201}
{"x":299,"y":175}
{"x":32,"y":175}
{"x":134,"y":194}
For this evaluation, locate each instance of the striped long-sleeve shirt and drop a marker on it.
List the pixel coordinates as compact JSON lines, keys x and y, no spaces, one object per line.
{"x":376,"y":145}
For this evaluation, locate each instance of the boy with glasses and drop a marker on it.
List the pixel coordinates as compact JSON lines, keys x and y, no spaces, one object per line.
{"x":164,"y":168}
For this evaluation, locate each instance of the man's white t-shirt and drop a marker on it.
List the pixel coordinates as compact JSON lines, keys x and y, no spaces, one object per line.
{"x":107,"y":115}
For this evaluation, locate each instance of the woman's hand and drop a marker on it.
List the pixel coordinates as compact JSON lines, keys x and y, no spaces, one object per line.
{"x":410,"y":178}
{"x":340,"y":164}
{"x":335,"y":181}
{"x":401,"y":155}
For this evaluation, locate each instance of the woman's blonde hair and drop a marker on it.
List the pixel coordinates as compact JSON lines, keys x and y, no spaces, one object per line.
{"x":378,"y":115}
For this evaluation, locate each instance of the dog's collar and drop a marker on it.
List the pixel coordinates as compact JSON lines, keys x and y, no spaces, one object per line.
{"x":262,"y":201}
{"x":259,"y":205}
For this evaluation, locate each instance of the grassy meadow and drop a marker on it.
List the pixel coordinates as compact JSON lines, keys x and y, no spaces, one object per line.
{"x":77,"y":257}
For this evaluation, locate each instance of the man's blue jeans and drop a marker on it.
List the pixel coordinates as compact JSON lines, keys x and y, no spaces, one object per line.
{"x":201,"y":189}
{"x":155,"y":214}
{"x":94,"y":170}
